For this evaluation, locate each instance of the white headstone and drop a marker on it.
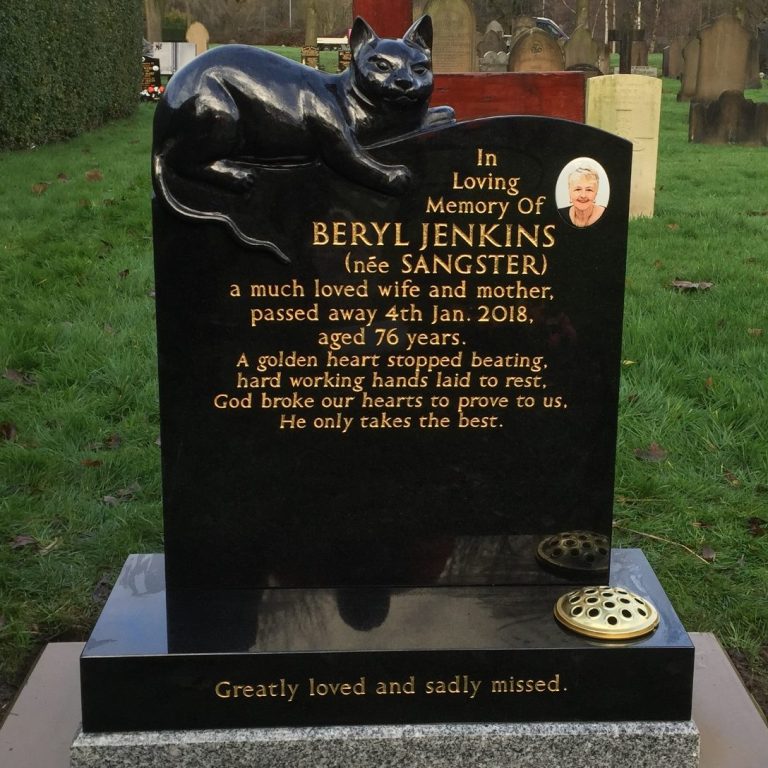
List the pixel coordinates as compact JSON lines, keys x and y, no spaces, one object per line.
{"x":630,"y":106}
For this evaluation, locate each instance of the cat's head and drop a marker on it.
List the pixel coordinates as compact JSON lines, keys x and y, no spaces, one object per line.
{"x":397,"y":73}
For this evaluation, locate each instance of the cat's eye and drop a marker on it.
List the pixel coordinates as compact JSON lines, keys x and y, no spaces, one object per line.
{"x":382,"y":65}
{"x":420,"y":69}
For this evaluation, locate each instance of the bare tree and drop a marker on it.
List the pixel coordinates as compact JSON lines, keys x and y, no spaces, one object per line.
{"x":153,"y":18}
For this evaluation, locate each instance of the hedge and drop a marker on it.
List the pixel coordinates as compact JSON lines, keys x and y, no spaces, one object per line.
{"x":66,"y":66}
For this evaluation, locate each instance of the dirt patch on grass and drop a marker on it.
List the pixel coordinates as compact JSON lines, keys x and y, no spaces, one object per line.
{"x":7,"y":695}
{"x":755,"y":676}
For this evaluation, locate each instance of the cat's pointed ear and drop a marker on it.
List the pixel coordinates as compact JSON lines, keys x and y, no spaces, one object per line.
{"x":420,"y":32}
{"x":361,"y":34}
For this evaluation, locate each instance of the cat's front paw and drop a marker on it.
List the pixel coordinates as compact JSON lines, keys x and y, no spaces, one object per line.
{"x":398,"y":179}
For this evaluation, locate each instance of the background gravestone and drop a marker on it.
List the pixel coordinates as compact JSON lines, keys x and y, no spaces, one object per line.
{"x":454,"y":43}
{"x":491,"y":42}
{"x":690,"y":72}
{"x":150,"y":78}
{"x":673,"y":58}
{"x":630,"y":106}
{"x":752,"y":79}
{"x":582,"y":51}
{"x":198,"y":35}
{"x":723,"y":58}
{"x":639,"y":56}
{"x":535,"y":50}
{"x":731,"y":119}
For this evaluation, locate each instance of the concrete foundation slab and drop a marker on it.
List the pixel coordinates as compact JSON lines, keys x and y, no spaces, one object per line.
{"x":44,"y":719}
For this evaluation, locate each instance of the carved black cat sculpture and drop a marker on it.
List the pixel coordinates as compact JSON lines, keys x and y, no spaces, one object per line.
{"x":237,"y":107}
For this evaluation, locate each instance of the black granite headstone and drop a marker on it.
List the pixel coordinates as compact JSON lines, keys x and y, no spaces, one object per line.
{"x":389,"y":364}
{"x":151,"y":81}
{"x":425,"y":389}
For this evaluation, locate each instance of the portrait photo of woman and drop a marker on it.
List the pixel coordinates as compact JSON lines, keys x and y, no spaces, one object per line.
{"x":582,"y":192}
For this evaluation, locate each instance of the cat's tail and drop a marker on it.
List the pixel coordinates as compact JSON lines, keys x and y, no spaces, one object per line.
{"x":160,"y":184}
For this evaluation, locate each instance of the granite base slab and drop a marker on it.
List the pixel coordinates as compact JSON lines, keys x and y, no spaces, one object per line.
{"x":286,"y":658}
{"x":540,"y":745}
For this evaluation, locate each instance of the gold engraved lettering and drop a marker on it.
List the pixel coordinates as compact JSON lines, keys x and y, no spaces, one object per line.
{"x":458,"y":684}
{"x":517,"y":290}
{"x":485,"y":158}
{"x":517,"y":685}
{"x":396,"y":688}
{"x":489,"y":182}
{"x":284,"y":315}
{"x":355,"y":233}
{"x":280,"y":689}
{"x":294,"y":289}
{"x":478,"y":264}
{"x":337,"y":689}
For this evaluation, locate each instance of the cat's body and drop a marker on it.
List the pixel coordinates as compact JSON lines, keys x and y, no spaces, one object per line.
{"x":238,"y":105}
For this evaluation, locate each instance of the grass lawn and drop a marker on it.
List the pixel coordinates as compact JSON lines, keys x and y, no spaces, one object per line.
{"x":79,"y":461}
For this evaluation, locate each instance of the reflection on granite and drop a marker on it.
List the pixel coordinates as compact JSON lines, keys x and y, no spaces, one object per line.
{"x":301,"y":620}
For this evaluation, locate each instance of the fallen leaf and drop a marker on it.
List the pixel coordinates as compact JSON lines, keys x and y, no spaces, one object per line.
{"x":62,"y":177}
{"x":22,"y":541}
{"x":40,"y":187}
{"x":708,"y":553}
{"x":731,"y":478}
{"x":8,"y":431}
{"x":49,"y":547}
{"x":755,"y":331}
{"x":108,"y":443}
{"x":110,"y":501}
{"x":152,"y":294}
{"x":157,"y":442}
{"x":755,"y":526}
{"x":123,"y":273}
{"x":633,"y":397}
{"x":84,"y":203}
{"x":708,"y":382}
{"x":108,"y":329}
{"x":654,"y":452}
{"x":673,"y":226}
{"x":129,"y":492}
{"x":700,"y":524}
{"x":658,"y":264}
{"x":113,"y":442}
{"x":94,"y":175}
{"x":18,"y":378}
{"x":627,"y":363}
{"x":91,"y":462}
{"x":688,"y":285}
